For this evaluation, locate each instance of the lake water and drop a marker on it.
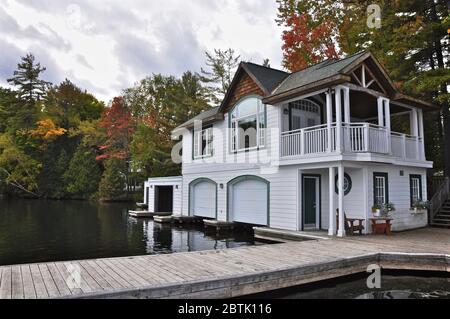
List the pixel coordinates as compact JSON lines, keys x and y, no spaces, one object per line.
{"x":394,"y":285}
{"x":39,"y":231}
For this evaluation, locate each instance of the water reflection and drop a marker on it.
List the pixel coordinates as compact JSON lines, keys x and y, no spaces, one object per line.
{"x":39,"y":231}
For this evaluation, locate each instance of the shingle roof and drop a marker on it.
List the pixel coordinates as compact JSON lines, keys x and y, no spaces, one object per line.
{"x":315,"y":73}
{"x":202,"y":116}
{"x":268,"y":78}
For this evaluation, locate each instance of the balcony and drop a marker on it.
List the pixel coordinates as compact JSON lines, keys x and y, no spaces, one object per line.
{"x":355,"y":138}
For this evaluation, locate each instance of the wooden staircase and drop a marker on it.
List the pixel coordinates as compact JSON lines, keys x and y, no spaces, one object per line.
{"x":442,"y":218}
{"x":440,"y":206}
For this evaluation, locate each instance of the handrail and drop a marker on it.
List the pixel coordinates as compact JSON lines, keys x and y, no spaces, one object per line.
{"x":442,"y":195}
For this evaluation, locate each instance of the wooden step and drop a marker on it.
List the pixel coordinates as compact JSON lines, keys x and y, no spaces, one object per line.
{"x":441,"y":221}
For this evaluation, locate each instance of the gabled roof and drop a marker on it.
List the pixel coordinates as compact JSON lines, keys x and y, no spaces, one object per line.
{"x":266,"y":78}
{"x":206,"y":116}
{"x":278,"y":85}
{"x":320,"y":71}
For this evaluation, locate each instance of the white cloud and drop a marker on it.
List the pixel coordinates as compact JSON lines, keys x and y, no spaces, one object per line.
{"x":107,"y":46}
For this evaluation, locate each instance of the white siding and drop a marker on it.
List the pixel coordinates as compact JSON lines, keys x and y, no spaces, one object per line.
{"x":283,"y":190}
{"x":176,"y":182}
{"x":223,"y":159}
{"x":399,"y":194}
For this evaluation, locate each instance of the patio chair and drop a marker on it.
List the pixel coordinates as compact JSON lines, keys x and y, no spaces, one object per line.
{"x":352,"y":225}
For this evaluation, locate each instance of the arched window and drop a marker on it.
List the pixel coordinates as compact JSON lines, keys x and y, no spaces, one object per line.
{"x":248,"y":124}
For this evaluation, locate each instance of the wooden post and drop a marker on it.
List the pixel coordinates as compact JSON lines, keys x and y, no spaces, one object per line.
{"x":387,"y":114}
{"x":366,"y":137}
{"x":347,"y":117}
{"x":380,"y":112}
{"x":415,"y":129}
{"x":329,"y":121}
{"x":421,"y":135}
{"x":404,"y":146}
{"x":302,"y":142}
{"x":332,"y":212}
{"x":366,"y":206}
{"x":338,"y":120}
{"x":341,"y":231}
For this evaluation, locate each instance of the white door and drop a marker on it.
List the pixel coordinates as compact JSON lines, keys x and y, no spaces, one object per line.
{"x":249,"y":202}
{"x":204,"y":200}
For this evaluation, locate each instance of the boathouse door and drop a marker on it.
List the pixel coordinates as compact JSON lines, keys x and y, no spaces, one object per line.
{"x":311,"y":202}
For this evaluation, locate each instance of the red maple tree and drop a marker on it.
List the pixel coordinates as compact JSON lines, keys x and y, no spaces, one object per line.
{"x":308,"y":38}
{"x":119,"y":126}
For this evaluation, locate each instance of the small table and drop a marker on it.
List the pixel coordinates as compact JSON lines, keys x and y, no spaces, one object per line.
{"x":381,"y":228}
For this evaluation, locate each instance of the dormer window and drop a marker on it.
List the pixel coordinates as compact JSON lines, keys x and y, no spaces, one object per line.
{"x":248,"y":124}
{"x":203,"y":143}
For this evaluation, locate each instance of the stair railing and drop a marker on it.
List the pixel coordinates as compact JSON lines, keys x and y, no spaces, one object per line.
{"x":440,"y":197}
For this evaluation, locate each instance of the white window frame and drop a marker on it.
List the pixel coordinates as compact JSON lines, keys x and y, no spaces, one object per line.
{"x":261,"y":123}
{"x":208,"y":151}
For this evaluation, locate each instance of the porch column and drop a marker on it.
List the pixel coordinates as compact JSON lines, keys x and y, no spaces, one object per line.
{"x":341,"y":231}
{"x":338,"y":120}
{"x":415,"y":130}
{"x":387,"y":118}
{"x":332,"y":213}
{"x":380,"y":112}
{"x":347,"y":118}
{"x":329,"y":121}
{"x":421,"y":135}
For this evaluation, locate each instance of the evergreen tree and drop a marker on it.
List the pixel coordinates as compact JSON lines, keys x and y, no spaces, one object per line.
{"x":222,"y":65}
{"x":83,"y":174}
{"x":113,"y":182}
{"x":26,"y":78}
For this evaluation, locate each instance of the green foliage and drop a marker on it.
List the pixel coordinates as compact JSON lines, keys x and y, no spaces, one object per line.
{"x":113,"y":182}
{"x":222,"y":66}
{"x":18,"y":169}
{"x":160,"y":104}
{"x":68,"y":105}
{"x":83,"y":174}
{"x":26,"y":78}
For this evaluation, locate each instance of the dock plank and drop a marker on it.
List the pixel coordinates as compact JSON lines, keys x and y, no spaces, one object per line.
{"x":39,"y":286}
{"x":16,"y":283}
{"x":6,"y":284}
{"x":49,"y":283}
{"x":27,"y":281}
{"x":225,"y":273}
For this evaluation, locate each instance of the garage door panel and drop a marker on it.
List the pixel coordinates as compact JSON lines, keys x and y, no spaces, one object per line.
{"x":249,"y":202}
{"x":204,"y":199}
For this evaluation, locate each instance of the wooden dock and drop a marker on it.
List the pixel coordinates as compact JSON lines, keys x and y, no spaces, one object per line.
{"x":226,"y":273}
{"x":146,"y":214}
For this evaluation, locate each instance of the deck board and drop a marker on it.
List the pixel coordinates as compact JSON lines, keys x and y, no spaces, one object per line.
{"x":196,"y":273}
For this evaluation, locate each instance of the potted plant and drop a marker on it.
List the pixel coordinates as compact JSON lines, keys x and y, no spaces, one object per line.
{"x":376,"y":210}
{"x":388,"y":208}
{"x":419,"y":207}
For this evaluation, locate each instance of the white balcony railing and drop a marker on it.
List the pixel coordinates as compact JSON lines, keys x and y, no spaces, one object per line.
{"x":356,"y":138}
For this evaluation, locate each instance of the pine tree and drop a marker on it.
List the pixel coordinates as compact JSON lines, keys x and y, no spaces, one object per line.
{"x":222,"y":64}
{"x":83,"y":174}
{"x":113,"y":183}
{"x":30,"y":87}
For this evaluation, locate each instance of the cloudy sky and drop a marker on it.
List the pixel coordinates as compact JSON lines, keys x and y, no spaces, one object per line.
{"x":106,"y":46}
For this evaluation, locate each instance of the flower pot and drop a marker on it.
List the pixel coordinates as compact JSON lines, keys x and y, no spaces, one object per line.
{"x":377,"y":213}
{"x":418,"y":211}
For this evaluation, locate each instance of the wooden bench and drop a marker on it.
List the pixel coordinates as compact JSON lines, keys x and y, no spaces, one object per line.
{"x":352,"y":225}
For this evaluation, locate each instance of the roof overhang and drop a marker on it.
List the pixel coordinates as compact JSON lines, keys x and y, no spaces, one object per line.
{"x":409,"y":100}
{"x":206,"y":121}
{"x":311,"y":87}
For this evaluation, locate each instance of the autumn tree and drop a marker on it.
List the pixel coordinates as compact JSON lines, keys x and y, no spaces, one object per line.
{"x":118,"y":124}
{"x":412,"y":44}
{"x":311,"y":31}
{"x":159,"y":104}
